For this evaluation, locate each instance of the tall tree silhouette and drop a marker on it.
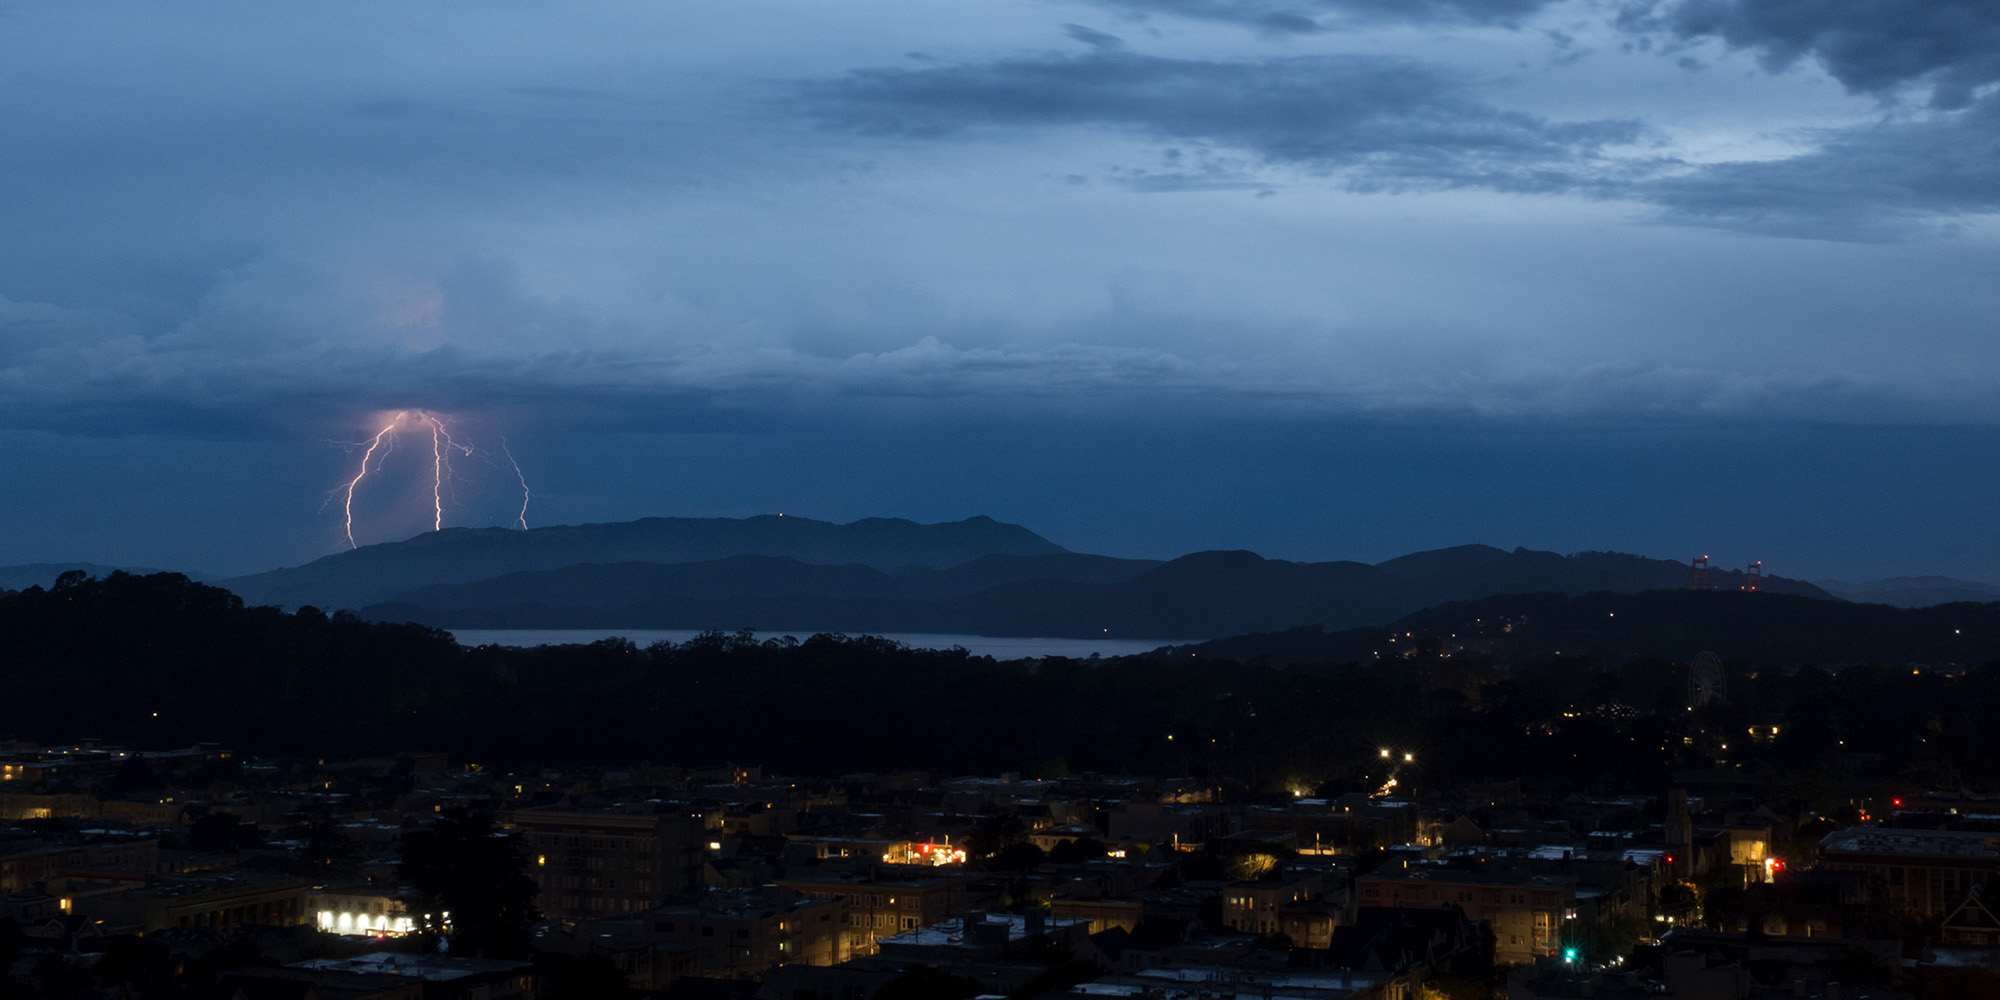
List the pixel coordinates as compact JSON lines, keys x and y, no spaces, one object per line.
{"x":465,"y":866}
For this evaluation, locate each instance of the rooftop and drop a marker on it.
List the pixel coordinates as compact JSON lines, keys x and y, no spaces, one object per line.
{"x":1921,"y":843}
{"x":435,"y":968}
{"x":953,"y":932}
{"x":1424,"y":873}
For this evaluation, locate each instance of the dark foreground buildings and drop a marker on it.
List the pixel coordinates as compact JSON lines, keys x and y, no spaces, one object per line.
{"x":231,"y":878}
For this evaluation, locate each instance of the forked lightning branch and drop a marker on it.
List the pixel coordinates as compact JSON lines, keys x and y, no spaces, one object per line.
{"x":444,"y":446}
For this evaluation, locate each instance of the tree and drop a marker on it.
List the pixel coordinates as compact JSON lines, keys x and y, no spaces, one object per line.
{"x":1080,"y":849}
{"x":137,"y":964}
{"x":593,"y":977}
{"x":236,"y":954}
{"x":1018,"y":856}
{"x":1861,"y":967}
{"x":135,"y":775}
{"x":1960,"y":984}
{"x":921,"y":982}
{"x":1251,"y":865}
{"x":1058,"y":977}
{"x":60,"y":979}
{"x":993,"y":834}
{"x":326,"y":845}
{"x":1451,"y":987}
{"x":464,"y":866}
{"x":221,"y":832}
{"x":1611,"y":938}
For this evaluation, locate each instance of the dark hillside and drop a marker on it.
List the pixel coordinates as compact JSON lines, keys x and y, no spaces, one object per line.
{"x":634,"y":585}
{"x":1067,"y":594}
{"x":1472,"y":571}
{"x":465,"y":555}
{"x":159,"y":662}
{"x":1773,"y":629}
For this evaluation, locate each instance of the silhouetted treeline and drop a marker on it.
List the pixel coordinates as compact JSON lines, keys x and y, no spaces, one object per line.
{"x":98,"y":658}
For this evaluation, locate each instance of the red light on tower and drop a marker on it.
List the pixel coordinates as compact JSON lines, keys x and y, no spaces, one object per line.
{"x":1698,"y":575}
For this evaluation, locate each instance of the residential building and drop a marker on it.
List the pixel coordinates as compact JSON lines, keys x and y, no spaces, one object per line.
{"x":1529,"y":914}
{"x":880,"y":906}
{"x":1254,"y":907}
{"x":740,"y":933}
{"x":30,"y":860}
{"x":221,"y":901}
{"x":1926,"y":872}
{"x":600,"y":861}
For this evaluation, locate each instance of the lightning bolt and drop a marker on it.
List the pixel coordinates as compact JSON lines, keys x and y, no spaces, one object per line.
{"x":509,"y":452}
{"x":437,"y":478}
{"x":443,"y":444}
{"x":356,"y":481}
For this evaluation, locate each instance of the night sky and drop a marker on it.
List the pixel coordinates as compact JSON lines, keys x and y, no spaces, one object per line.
{"x":1318,"y":278}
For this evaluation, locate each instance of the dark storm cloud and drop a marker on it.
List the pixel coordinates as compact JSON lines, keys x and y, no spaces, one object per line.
{"x":1092,"y":37}
{"x":1306,"y":16}
{"x":623,"y":199}
{"x":219,"y":390}
{"x":1914,"y":170}
{"x":1878,"y":182}
{"x":1951,"y":46}
{"x":1382,"y":122}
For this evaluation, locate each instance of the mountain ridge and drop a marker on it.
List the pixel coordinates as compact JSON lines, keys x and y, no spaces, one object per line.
{"x":975,"y":576}
{"x":374,"y":573}
{"x":1202,"y":594}
{"x":1778,"y":629}
{"x":1913,"y":591}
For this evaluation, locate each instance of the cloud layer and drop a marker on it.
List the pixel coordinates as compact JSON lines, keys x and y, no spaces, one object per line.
{"x":1883,"y":181}
{"x":1440,"y":208}
{"x":1381,"y":122}
{"x":1388,"y":273}
{"x":1389,"y":123}
{"x":1312,"y":16}
{"x":1950,"y":46}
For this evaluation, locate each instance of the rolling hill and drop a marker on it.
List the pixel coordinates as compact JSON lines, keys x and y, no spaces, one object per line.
{"x":1913,"y":591}
{"x":1775,"y":629}
{"x":978,"y":576}
{"x":1067,"y":594}
{"x":466,"y":555}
